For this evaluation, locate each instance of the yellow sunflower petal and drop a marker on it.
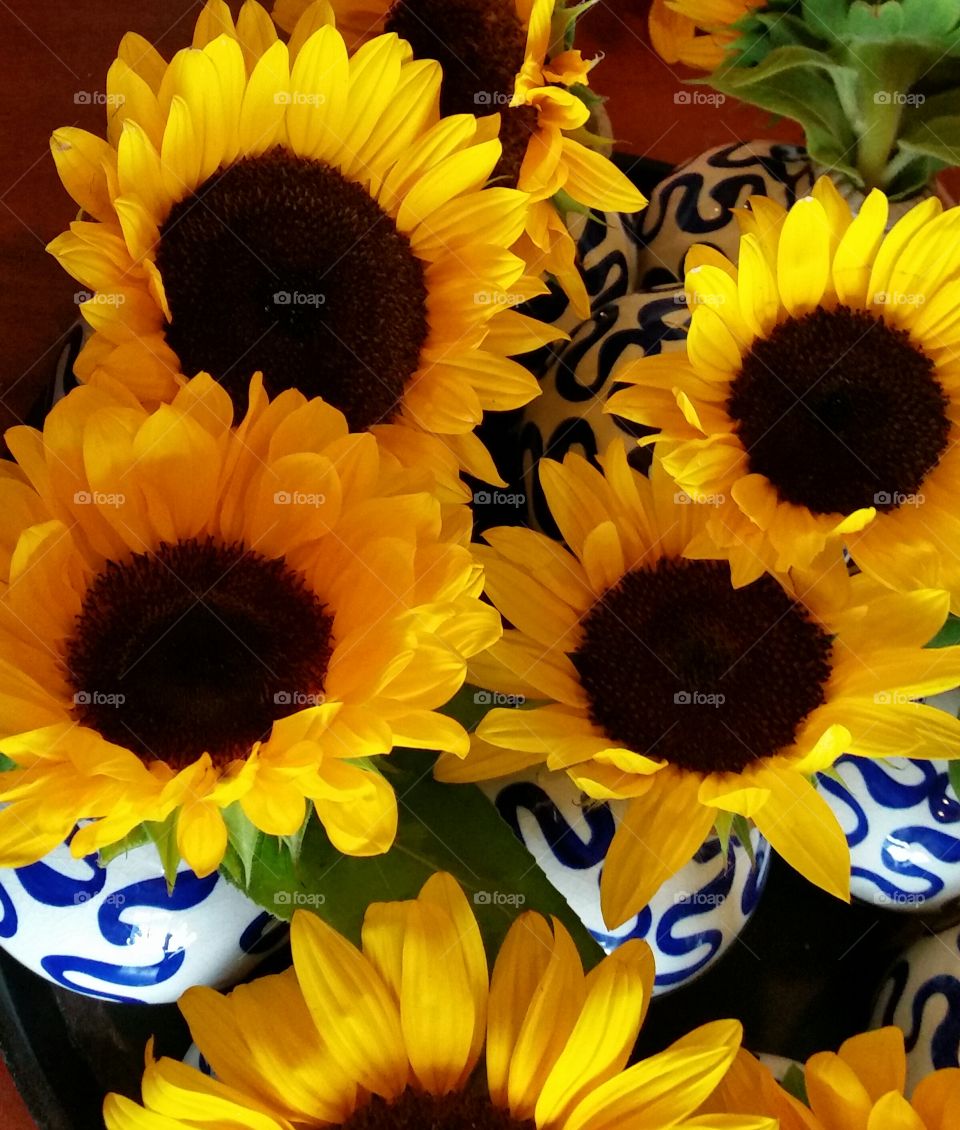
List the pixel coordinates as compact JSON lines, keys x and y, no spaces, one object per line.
{"x":658,"y":834}
{"x":803,"y":257}
{"x":351,"y":1006}
{"x":801,"y":827}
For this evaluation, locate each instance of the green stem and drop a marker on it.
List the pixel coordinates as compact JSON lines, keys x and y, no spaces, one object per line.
{"x":881,"y":113}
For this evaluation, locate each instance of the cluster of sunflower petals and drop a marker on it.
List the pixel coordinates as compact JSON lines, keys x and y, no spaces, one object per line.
{"x":698,"y":647}
{"x":392,"y":1033}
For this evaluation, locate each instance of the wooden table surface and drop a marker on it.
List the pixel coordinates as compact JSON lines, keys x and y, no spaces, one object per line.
{"x":55,"y":58}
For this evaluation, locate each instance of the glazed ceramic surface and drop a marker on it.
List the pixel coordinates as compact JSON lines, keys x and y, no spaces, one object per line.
{"x":115,"y":932}
{"x":922,"y":996}
{"x":569,"y":414}
{"x":902,"y":822}
{"x":694,"y":916}
{"x":696,"y":203}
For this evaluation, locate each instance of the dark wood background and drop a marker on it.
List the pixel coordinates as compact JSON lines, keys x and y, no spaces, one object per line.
{"x":54,"y":62}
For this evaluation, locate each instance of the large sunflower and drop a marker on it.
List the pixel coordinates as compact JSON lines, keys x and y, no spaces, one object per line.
{"x":302,"y":212}
{"x":694,"y":700}
{"x":391,"y":1035}
{"x":503,"y":55}
{"x":859,"y":1087}
{"x":817,"y":399}
{"x":696,"y":33}
{"x":194,"y":617}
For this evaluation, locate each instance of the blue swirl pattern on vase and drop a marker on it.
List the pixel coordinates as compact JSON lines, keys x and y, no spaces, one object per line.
{"x":902,"y":824}
{"x":688,"y":923}
{"x":118,"y":934}
{"x":921,"y":996}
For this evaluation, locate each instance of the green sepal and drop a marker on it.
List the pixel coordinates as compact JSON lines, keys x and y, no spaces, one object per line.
{"x":243,"y":838}
{"x":452,"y":828}
{"x":133,"y":839}
{"x":949,"y":634}
{"x":6,"y":763}
{"x":294,"y":843}
{"x":723,"y":826}
{"x":564,"y":25}
{"x":163,"y":834}
{"x":795,"y":1083}
{"x":741,"y":828}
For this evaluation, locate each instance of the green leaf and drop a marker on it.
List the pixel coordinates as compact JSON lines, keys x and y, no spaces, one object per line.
{"x":6,"y":763}
{"x":452,"y":828}
{"x":137,"y":838}
{"x":939,"y":138}
{"x":949,"y":634}
{"x":794,"y":1083}
{"x":953,"y":773}
{"x":164,"y":835}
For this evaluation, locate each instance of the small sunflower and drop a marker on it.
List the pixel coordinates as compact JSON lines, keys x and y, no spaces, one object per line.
{"x":302,"y":212}
{"x":859,"y":1087}
{"x":498,"y":54}
{"x":819,"y":393}
{"x":194,"y":617}
{"x":391,"y":1035}
{"x":691,"y":699}
{"x":697,"y":33}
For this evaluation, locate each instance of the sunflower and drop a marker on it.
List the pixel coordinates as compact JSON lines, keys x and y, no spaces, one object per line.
{"x":304,"y":213}
{"x":390,"y":1035}
{"x":657,"y":682}
{"x":860,"y":1086}
{"x":697,"y":33}
{"x":500,"y":54}
{"x":818,"y":393}
{"x":194,"y":617}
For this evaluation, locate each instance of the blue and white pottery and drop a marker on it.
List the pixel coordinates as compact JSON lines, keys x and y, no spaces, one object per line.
{"x":695,"y":203}
{"x":901,"y":818}
{"x":921,"y":996}
{"x":689,"y":923}
{"x":569,"y":413}
{"x":115,"y":933}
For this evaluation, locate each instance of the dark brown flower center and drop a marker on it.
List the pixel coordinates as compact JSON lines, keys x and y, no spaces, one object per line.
{"x":481,"y":46}
{"x":414,"y":1110}
{"x":840,"y":411}
{"x":279,"y":263}
{"x":679,"y":665}
{"x":196,"y":648}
